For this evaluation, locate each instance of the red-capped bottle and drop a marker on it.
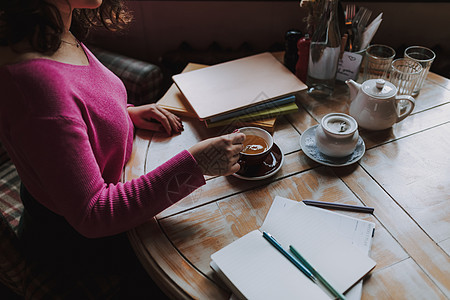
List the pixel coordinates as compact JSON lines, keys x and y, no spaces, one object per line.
{"x":301,"y":68}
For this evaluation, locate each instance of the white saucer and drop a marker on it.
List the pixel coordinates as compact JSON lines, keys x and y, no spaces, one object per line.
{"x":308,"y":144}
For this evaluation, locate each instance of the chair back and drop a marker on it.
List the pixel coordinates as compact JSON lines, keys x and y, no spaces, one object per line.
{"x":12,"y":259}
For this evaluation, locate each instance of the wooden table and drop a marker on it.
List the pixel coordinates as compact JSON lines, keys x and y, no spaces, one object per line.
{"x":404,"y":175}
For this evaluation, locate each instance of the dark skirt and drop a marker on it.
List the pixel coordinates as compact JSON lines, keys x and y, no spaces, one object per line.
{"x":72,"y":266}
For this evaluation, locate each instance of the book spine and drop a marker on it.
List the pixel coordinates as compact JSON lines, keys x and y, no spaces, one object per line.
{"x":287,"y":108}
{"x":256,"y":108}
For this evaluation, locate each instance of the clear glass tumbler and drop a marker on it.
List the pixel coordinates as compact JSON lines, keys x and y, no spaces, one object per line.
{"x":404,"y":75}
{"x":377,"y":62}
{"x":425,"y":57}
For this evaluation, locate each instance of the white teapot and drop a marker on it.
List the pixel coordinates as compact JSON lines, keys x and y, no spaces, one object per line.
{"x":375,"y":104}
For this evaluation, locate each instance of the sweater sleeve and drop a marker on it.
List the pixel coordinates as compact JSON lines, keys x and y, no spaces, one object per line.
{"x":63,"y":174}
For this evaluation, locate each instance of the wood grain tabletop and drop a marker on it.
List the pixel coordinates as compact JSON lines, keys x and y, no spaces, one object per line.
{"x":404,"y":174}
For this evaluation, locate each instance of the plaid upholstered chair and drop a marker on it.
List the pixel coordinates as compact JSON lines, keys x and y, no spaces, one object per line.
{"x":12,"y":262}
{"x":143,"y":82}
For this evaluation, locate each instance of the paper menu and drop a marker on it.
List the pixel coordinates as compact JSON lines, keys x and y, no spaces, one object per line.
{"x":349,"y":65}
{"x":358,"y":231}
{"x":254,"y":269}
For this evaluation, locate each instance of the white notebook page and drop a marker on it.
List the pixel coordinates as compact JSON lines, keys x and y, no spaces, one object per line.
{"x":259,"y":271}
{"x":315,"y":234}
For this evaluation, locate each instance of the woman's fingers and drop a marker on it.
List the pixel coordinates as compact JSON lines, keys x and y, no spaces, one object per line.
{"x":219,"y":156}
{"x":157,"y":114}
{"x":146,"y":116}
{"x":173,"y":122}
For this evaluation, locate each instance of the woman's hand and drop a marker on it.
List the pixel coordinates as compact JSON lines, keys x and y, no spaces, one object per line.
{"x":155,"y":118}
{"x":219,"y":155}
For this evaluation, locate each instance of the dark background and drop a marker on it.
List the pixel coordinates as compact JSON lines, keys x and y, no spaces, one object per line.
{"x":172,"y":33}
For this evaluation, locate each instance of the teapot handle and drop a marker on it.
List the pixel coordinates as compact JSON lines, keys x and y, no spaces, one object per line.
{"x":409,"y":107}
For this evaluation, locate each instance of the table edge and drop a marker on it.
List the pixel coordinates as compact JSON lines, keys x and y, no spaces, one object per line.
{"x":163,"y":272}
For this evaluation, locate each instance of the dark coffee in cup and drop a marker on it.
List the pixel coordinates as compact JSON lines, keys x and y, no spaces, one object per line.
{"x":254,"y":144}
{"x":257,"y":145}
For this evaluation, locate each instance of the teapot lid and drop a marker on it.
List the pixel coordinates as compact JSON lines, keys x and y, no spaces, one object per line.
{"x":379,"y":88}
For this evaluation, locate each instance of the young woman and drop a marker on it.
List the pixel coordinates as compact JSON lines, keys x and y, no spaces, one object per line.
{"x":66,"y":125}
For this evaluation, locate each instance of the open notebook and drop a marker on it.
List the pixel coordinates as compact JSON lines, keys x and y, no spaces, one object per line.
{"x":334,"y":244}
{"x":236,"y":85}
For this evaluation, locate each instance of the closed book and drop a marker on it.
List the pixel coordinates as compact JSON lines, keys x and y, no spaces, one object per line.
{"x":236,"y":85}
{"x":175,"y":102}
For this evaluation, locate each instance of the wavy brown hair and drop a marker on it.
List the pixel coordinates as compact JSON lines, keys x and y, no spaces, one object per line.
{"x":40,"y":23}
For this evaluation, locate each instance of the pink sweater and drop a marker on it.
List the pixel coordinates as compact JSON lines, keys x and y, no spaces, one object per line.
{"x":67,"y":130}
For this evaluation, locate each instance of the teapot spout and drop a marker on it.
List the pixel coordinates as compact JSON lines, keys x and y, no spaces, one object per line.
{"x":354,"y":88}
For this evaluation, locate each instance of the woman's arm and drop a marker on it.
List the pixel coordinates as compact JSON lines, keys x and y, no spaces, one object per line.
{"x":60,"y":170}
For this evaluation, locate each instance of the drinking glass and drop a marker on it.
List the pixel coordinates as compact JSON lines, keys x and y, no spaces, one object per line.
{"x":404,"y":75}
{"x":377,"y":61}
{"x":425,"y":57}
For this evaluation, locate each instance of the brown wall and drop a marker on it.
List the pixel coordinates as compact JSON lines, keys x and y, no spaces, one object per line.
{"x":161,"y":26}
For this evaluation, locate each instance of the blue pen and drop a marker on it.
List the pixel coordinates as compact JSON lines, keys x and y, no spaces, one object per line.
{"x":292,"y":259}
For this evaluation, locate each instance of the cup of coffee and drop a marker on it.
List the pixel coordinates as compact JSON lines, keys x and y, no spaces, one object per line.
{"x":257,"y":146}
